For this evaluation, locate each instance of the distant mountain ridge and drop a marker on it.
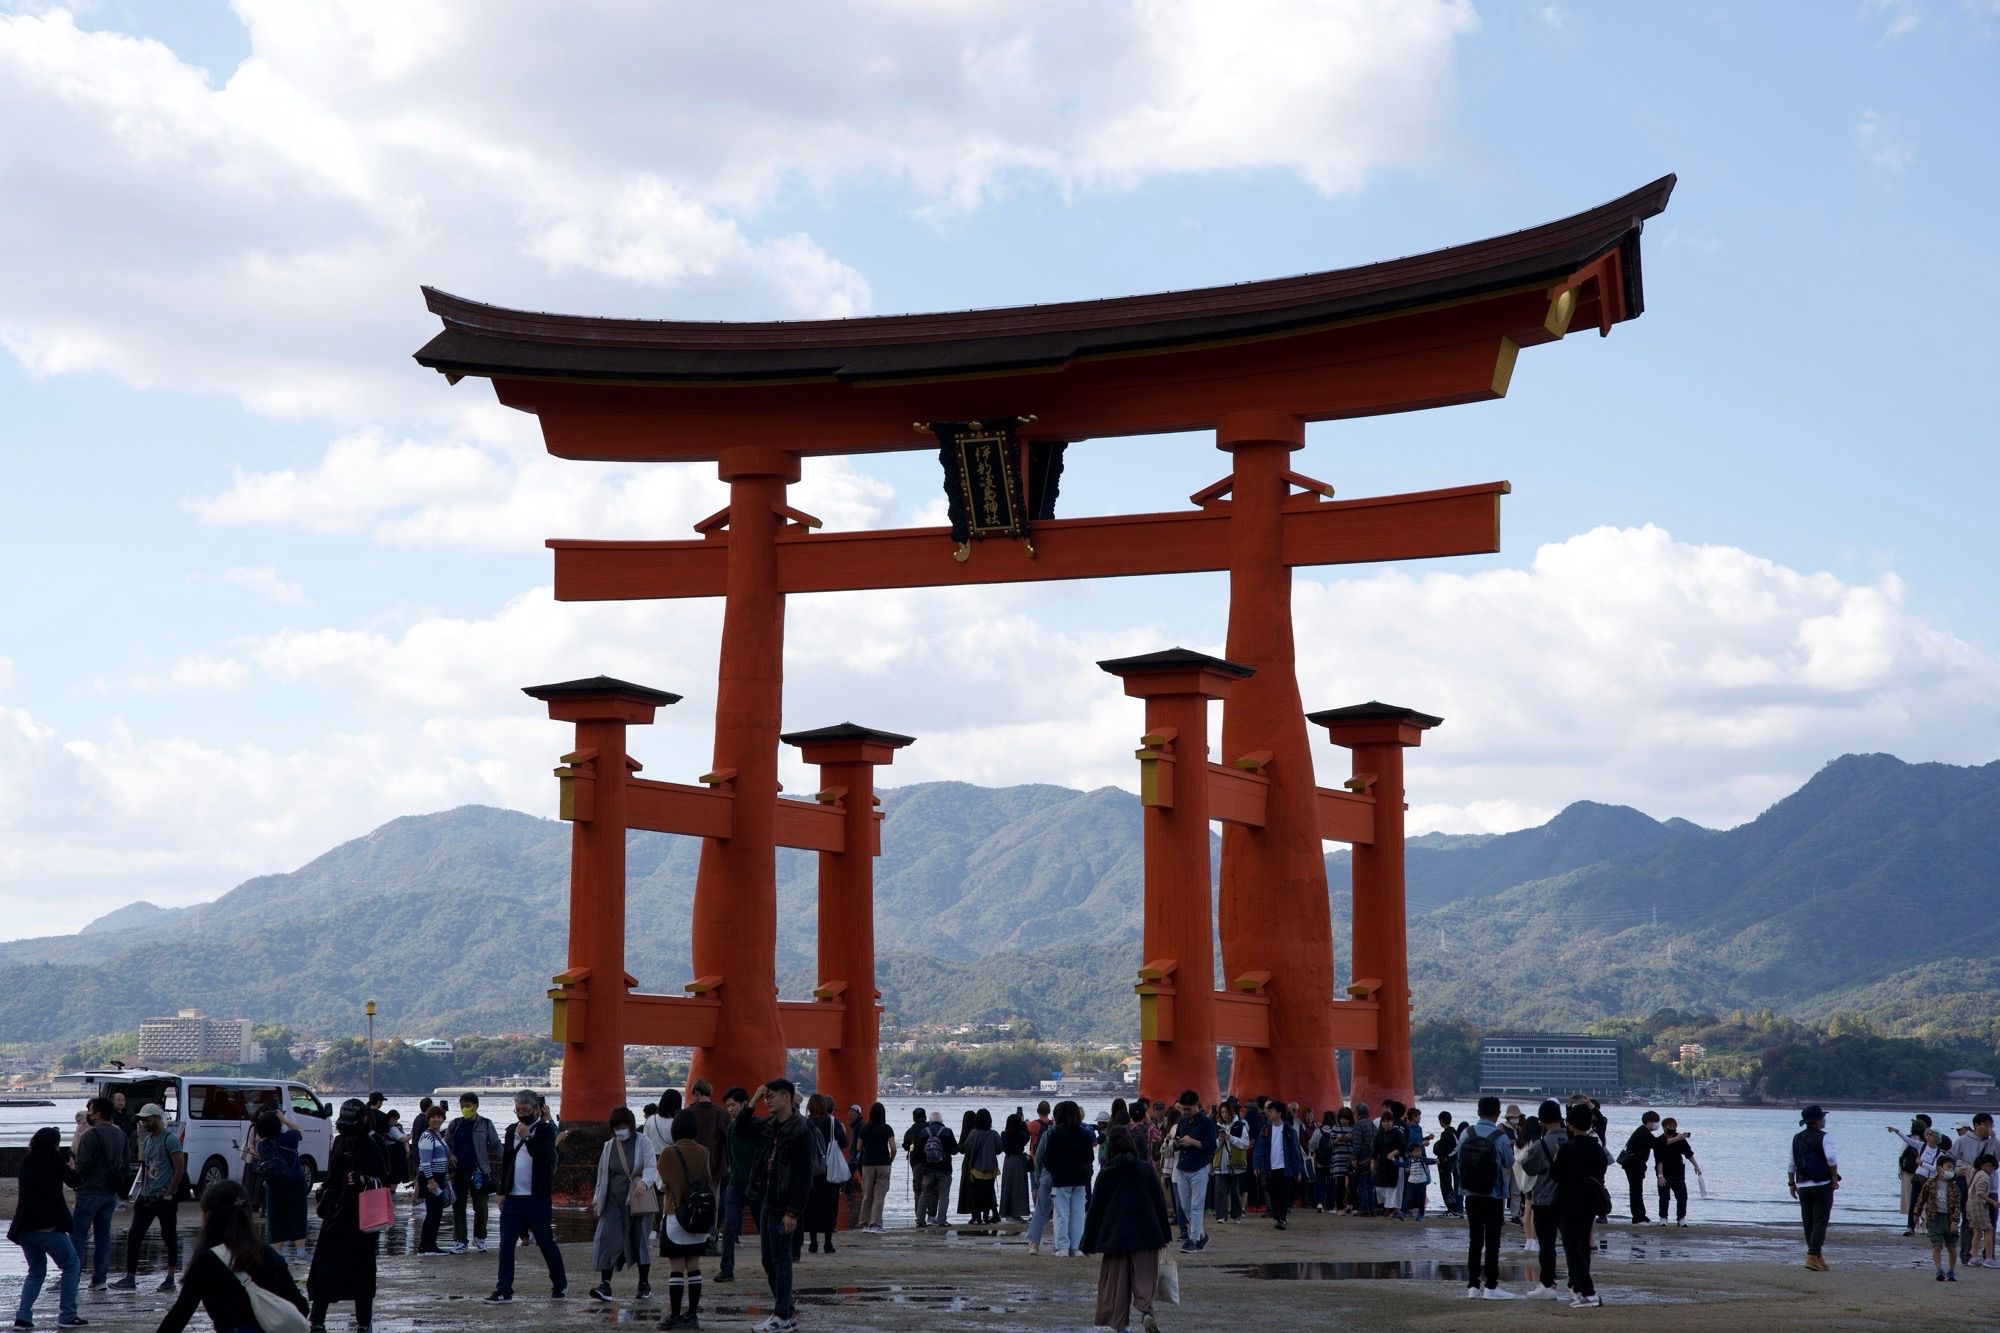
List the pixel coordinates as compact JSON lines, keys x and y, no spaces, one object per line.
{"x":1025,"y":901}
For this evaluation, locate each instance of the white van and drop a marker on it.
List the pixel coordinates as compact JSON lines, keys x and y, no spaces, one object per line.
{"x":213,"y":1116}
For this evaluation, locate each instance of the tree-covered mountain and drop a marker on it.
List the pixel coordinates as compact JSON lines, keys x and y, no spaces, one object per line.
{"x":1864,"y":891}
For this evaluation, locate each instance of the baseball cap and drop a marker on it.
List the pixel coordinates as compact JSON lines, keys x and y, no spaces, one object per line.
{"x":151,"y":1109}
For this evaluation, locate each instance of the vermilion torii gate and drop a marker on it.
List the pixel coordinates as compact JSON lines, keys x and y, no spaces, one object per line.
{"x":1253,"y":363}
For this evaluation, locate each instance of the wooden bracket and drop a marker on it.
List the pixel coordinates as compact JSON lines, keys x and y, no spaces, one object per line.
{"x":798,"y":516}
{"x":721,"y":777}
{"x":1360,"y":782}
{"x":703,"y":985}
{"x":1253,"y":762}
{"x":713,"y":525}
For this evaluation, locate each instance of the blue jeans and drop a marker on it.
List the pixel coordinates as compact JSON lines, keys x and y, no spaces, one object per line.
{"x":734,"y":1201}
{"x":1191,"y":1192}
{"x":40,"y":1247}
{"x":1069,"y":1219}
{"x":91,"y":1219}
{"x":1038,"y":1221}
{"x":777,"y":1252}
{"x":518,"y":1213}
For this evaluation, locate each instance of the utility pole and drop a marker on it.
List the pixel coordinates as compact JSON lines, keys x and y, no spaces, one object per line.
{"x":371,"y":1046}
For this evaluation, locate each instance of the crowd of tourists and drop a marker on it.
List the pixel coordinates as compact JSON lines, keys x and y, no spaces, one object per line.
{"x":676,"y":1183}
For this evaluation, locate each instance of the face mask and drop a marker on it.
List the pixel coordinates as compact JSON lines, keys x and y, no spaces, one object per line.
{"x":469,"y":1112}
{"x":525,"y":1117}
{"x":624,"y":1134}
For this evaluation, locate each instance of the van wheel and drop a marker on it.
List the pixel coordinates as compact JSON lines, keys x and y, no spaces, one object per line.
{"x":312,"y":1170}
{"x":213,"y":1172}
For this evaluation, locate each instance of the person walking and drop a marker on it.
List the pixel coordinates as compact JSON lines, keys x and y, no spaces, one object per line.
{"x":285,"y":1185}
{"x":822,"y":1215}
{"x":782,"y":1178}
{"x":1672,"y":1156}
{"x":1364,"y":1160}
{"x":343,"y":1264}
{"x":101,"y":1152}
{"x":712,"y":1133}
{"x":475,"y":1152}
{"x":1943,"y":1216}
{"x":527,"y":1200}
{"x":1127,"y":1225}
{"x":1537,"y":1162}
{"x":1232,"y":1160}
{"x":1485,"y":1173}
{"x":162,"y":1177}
{"x":741,"y":1150}
{"x":42,"y":1225}
{"x":933,"y":1153}
{"x":685,"y":1174}
{"x":1580,"y":1200}
{"x":1194,"y":1137}
{"x":878,"y":1164}
{"x":1067,"y":1160}
{"x":1812,"y":1179}
{"x":228,"y":1260}
{"x":1283,"y":1160}
{"x":1388,"y":1161}
{"x":623,"y":1237}
{"x":1014,"y":1192}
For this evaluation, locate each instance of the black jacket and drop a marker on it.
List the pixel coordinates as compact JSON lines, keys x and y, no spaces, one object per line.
{"x":213,"y":1286}
{"x":40,"y":1206}
{"x":1068,"y":1156}
{"x":1128,"y":1210}
{"x":783,"y":1175}
{"x":1639,"y":1148}
{"x":541,"y":1152}
{"x":1579,"y":1174}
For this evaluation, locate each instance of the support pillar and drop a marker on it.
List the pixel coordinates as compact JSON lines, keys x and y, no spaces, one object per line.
{"x":593,"y":987}
{"x":1273,"y":909}
{"x":1377,"y":734}
{"x":1177,"y":1027}
{"x":847,"y":756}
{"x":735,"y":935}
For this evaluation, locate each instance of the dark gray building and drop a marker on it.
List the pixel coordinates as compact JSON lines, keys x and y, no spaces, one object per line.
{"x":1550,"y":1063}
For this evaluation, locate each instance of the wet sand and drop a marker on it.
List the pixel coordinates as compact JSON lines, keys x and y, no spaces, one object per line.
{"x":1320,"y":1272}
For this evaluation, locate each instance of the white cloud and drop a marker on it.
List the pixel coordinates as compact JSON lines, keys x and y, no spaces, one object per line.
{"x":1901,"y":16}
{"x":1619,"y":665}
{"x":1622,"y":665}
{"x":263,"y":581}
{"x":192,"y":671}
{"x":1555,"y":16}
{"x":264,"y":238}
{"x":1885,"y":151}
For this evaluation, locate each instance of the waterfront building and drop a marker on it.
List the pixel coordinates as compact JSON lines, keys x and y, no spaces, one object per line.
{"x":190,"y":1037}
{"x":1536,"y":1063}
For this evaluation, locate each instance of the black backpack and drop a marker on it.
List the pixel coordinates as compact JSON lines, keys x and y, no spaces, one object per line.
{"x":1323,"y":1154}
{"x":696,"y":1209}
{"x":1479,"y":1161}
{"x":1809,"y":1156}
{"x":934,"y":1146}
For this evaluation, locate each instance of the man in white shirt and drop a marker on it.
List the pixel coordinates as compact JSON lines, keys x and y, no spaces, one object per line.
{"x":1814,"y":1176}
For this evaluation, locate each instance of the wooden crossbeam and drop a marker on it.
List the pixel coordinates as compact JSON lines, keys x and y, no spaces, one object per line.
{"x":1463,"y":520}
{"x":690,"y":1020}
{"x":1236,"y":796}
{"x":710,"y":812}
{"x":1345,"y":816}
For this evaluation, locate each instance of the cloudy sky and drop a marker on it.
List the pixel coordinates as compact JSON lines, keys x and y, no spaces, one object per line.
{"x":268,"y":583}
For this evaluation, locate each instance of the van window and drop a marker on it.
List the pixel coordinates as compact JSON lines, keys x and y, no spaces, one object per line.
{"x":304,"y":1103}
{"x":138,"y":1092}
{"x":212,"y":1101}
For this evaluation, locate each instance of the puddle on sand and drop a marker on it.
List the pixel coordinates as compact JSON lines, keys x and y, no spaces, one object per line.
{"x":1405,"y":1270}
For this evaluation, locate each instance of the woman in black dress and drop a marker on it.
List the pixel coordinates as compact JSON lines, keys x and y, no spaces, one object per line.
{"x":343,"y":1267}
{"x":823,"y":1204}
{"x":982,"y":1167}
{"x":1014,"y":1202}
{"x":1580,"y":1198}
{"x":965,"y":1128}
{"x":227,"y":1246}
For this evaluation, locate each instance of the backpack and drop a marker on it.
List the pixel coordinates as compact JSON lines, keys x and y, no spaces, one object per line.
{"x":1907,"y":1163}
{"x":1809,"y":1156}
{"x":1479,"y":1161}
{"x":695,"y":1210}
{"x":1323,"y":1152}
{"x":933,"y":1146}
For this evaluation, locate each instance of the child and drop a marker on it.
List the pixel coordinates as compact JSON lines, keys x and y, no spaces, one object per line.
{"x":1942,"y":1214}
{"x":1979,"y":1211}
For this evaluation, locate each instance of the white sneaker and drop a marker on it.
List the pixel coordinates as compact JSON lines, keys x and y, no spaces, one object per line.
{"x":479,"y":1245}
{"x":1473,"y":1293}
{"x":1544,"y":1294}
{"x":1500,"y":1294}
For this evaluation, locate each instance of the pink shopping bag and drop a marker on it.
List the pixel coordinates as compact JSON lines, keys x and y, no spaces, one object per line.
{"x":377,"y":1212}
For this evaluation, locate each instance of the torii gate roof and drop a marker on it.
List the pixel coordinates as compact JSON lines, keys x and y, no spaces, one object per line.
{"x":548,"y":362}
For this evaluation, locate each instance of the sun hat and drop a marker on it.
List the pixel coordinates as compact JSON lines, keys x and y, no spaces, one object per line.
{"x":1811,"y":1113}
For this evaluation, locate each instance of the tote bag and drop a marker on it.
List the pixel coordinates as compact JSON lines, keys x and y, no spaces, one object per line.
{"x":375,"y":1211}
{"x":641,"y":1200}
{"x":837,"y":1170}
{"x":274,"y":1314}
